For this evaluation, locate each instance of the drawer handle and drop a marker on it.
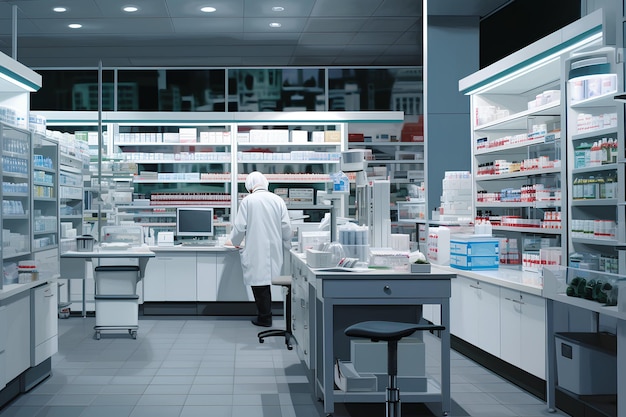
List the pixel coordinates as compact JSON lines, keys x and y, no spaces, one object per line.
{"x":518,"y":302}
{"x":49,"y":296}
{"x":387,"y":289}
{"x":477,"y":287}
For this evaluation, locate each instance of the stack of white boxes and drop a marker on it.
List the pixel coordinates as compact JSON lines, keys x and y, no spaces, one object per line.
{"x":456,"y":197}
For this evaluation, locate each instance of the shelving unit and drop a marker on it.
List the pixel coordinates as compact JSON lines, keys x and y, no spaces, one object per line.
{"x":593,"y":80}
{"x":45,"y":194}
{"x":304,"y":151}
{"x":16,"y":198}
{"x":522,"y":155}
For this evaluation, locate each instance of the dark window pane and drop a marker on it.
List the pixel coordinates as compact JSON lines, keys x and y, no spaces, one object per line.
{"x":173,"y":89}
{"x":289,"y":89}
{"x":398,"y":89}
{"x":73,"y":90}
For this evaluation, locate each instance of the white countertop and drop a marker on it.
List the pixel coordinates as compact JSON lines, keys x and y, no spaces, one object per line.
{"x":9,"y":290}
{"x":528,"y":282}
{"x":192,"y":248}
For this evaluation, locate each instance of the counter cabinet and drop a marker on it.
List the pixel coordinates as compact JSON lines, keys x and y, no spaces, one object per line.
{"x":338,"y":299}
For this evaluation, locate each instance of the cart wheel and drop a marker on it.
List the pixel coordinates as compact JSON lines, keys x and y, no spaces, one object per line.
{"x":134,"y":334}
{"x":97,"y":335}
{"x":261,"y":340}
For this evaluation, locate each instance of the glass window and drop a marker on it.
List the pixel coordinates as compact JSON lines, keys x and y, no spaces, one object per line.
{"x":395,"y":89}
{"x":73,"y":90}
{"x":171,"y":90}
{"x":274,"y":89}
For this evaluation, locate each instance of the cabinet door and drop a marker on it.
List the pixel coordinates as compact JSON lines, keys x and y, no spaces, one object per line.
{"x":463,"y":315}
{"x":533,"y":334}
{"x":154,"y":278}
{"x":206,"y":287}
{"x":180,"y":277}
{"x":44,"y":323}
{"x":487,"y":302}
{"x":510,"y":329}
{"x":17,"y":353}
{"x":230,"y":286}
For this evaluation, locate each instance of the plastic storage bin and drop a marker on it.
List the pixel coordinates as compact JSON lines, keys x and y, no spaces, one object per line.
{"x":474,"y":246}
{"x":586,"y":363}
{"x":474,"y":262}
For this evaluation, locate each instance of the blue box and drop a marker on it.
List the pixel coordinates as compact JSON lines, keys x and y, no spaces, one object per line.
{"x":474,"y":246}
{"x":469,"y":263}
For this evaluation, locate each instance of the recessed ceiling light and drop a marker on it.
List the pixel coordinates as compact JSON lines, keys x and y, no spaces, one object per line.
{"x":75,"y":25}
{"x":275,"y":25}
{"x":278,"y":9}
{"x":208,"y":9}
{"x":59,"y":9}
{"x":130,"y":9}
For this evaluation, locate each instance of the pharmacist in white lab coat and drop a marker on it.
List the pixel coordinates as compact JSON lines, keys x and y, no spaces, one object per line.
{"x":263,"y":220}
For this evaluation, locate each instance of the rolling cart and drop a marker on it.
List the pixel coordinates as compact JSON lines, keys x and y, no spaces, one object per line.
{"x":117,"y":302}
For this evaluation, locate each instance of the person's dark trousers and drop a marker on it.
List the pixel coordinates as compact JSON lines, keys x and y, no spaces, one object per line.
{"x":263,"y":300}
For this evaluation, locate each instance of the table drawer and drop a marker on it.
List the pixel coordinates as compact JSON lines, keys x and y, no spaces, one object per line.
{"x":381,"y":288}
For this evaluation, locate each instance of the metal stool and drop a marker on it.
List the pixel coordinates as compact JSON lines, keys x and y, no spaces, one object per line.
{"x":285,"y":282}
{"x":390,"y":332}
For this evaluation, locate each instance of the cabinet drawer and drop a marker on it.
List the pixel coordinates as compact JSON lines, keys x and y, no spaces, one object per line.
{"x":380,"y":288}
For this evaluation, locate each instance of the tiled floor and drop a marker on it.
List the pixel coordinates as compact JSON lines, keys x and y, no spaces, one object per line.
{"x":208,"y":366}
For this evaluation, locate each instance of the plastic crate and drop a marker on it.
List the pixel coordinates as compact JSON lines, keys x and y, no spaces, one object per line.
{"x":587,"y":363}
{"x":474,"y":247}
{"x":469,"y":263}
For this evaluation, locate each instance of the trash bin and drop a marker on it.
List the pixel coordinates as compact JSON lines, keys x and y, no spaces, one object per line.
{"x":586,"y":363}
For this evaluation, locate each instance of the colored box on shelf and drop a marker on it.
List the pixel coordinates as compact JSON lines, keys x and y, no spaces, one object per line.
{"x":332,"y":136}
{"x":470,"y":263}
{"x":474,"y":246}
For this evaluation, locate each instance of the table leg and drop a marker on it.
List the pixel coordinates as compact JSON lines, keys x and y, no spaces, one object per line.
{"x":329,"y":361}
{"x":446,"y":403}
{"x":550,"y":357}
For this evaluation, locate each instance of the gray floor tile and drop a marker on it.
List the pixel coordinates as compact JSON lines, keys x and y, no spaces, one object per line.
{"x":107,"y":411}
{"x":201,"y":366}
{"x":206,"y":410}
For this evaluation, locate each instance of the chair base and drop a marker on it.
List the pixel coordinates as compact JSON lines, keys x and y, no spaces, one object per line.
{"x":276,"y":332}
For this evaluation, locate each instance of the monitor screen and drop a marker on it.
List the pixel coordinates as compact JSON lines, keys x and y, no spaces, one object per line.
{"x":194,"y":221}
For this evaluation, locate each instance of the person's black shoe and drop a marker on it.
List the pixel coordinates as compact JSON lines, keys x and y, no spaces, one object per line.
{"x":259,"y":323}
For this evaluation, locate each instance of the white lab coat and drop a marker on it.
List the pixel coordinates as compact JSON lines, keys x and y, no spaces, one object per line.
{"x":263,"y":220}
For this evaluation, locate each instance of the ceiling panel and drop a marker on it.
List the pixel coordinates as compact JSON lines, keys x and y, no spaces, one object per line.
{"x":191,"y":8}
{"x":335,"y":24}
{"x":173,"y":32}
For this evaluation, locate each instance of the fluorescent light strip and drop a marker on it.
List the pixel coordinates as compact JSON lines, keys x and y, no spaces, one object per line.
{"x":535,"y":65}
{"x":17,"y":83}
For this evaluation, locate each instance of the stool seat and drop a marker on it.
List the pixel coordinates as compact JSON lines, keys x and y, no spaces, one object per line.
{"x":387,"y":330}
{"x":284,"y":280}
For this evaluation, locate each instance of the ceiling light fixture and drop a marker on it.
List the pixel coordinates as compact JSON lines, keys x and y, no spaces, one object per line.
{"x":208,"y":9}
{"x":75,"y":25}
{"x":59,"y":9}
{"x":275,"y":25}
{"x":130,"y":9}
{"x":278,"y":9}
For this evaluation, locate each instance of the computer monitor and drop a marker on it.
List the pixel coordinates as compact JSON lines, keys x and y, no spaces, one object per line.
{"x":194,"y":221}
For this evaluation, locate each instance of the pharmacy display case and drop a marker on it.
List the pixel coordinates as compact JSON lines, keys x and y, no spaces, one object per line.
{"x":521,"y":132}
{"x":593,"y":140}
{"x":45,"y":193}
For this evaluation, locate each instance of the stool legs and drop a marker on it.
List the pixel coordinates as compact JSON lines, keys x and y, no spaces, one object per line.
{"x":393,"y":393}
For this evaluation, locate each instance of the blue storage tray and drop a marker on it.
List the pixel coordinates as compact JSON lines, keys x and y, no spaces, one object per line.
{"x":474,"y":248}
{"x":470,"y":263}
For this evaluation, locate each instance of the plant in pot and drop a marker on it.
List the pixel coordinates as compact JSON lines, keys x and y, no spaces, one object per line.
{"x":419,"y":263}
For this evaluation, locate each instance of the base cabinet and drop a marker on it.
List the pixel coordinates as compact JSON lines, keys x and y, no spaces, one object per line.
{"x":171,"y":276}
{"x":522,"y":334}
{"x":475,"y":313}
{"x":17,"y":350}
{"x":44,"y":326}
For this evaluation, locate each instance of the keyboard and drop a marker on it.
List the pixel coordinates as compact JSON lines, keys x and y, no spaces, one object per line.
{"x":200,"y":243}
